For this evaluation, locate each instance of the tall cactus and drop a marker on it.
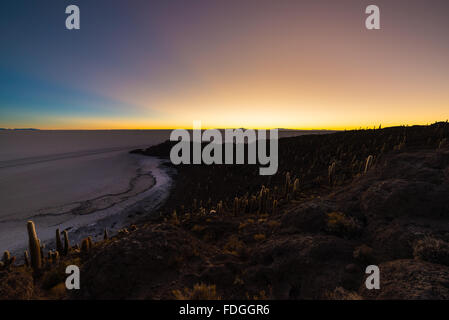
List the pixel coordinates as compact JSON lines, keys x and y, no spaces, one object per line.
{"x":34,"y":246}
{"x":58,"y":241}
{"x":296,"y":185}
{"x":66,"y":242}
{"x":85,"y":246}
{"x":220,"y":208}
{"x":236,"y":206}
{"x":368,"y":163}
{"x":274,"y":207}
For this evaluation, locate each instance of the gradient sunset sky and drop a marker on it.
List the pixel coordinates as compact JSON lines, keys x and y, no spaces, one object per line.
{"x":246,"y":63}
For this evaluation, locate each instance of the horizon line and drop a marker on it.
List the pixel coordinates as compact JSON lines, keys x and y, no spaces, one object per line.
{"x":223,"y":128}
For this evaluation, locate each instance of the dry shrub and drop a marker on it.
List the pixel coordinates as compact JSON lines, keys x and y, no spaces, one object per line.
{"x":432,"y":250}
{"x":200,"y":291}
{"x":363,"y":253}
{"x":261,"y":295}
{"x":16,"y":285}
{"x":273,"y":223}
{"x":242,"y":225}
{"x":234,"y":246}
{"x":340,"y":293}
{"x":259,"y":237}
{"x":341,"y":225}
{"x":198,"y":228}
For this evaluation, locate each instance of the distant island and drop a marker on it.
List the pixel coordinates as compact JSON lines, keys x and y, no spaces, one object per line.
{"x":20,"y":129}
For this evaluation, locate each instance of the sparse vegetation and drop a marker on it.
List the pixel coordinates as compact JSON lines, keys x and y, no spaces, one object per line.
{"x":234,"y":246}
{"x":338,"y":223}
{"x":340,"y":293}
{"x":200,"y":291}
{"x":228,"y":224}
{"x":259,"y":237}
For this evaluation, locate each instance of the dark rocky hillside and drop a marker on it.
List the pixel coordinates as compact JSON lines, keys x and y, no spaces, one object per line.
{"x":338,"y":203}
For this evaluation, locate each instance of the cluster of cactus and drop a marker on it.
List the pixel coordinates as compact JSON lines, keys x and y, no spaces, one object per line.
{"x":263,"y":201}
{"x":86,"y":245}
{"x":263,"y":198}
{"x":291,"y":187}
{"x":7,"y":260}
{"x":260,"y":203}
{"x":35,"y":258}
{"x":400,"y":146}
{"x":244,"y":204}
{"x":333,"y":159}
{"x":200,"y":207}
{"x":53,"y":257}
{"x":36,"y":249}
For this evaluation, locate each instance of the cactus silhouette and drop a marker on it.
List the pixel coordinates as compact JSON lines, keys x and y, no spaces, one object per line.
{"x":368,"y":163}
{"x":85,"y":246}
{"x":91,"y":243}
{"x":220,"y":208}
{"x":6,"y":257}
{"x":7,"y":260}
{"x":53,"y":257}
{"x":66,"y":242}
{"x":41,"y":250}
{"x":34,"y":247}
{"x":27,"y":258}
{"x":331,"y":173}
{"x":275,"y":205}
{"x":236,"y":206}
{"x":58,"y":241}
{"x":296,"y":185}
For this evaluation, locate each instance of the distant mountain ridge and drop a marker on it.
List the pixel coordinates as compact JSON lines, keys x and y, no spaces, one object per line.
{"x":20,"y":129}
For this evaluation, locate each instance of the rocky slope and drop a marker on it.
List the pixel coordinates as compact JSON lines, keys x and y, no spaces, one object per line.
{"x":315,"y":245}
{"x":307,"y":233}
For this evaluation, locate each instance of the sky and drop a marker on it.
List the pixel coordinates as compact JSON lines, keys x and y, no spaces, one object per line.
{"x":146,"y":64}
